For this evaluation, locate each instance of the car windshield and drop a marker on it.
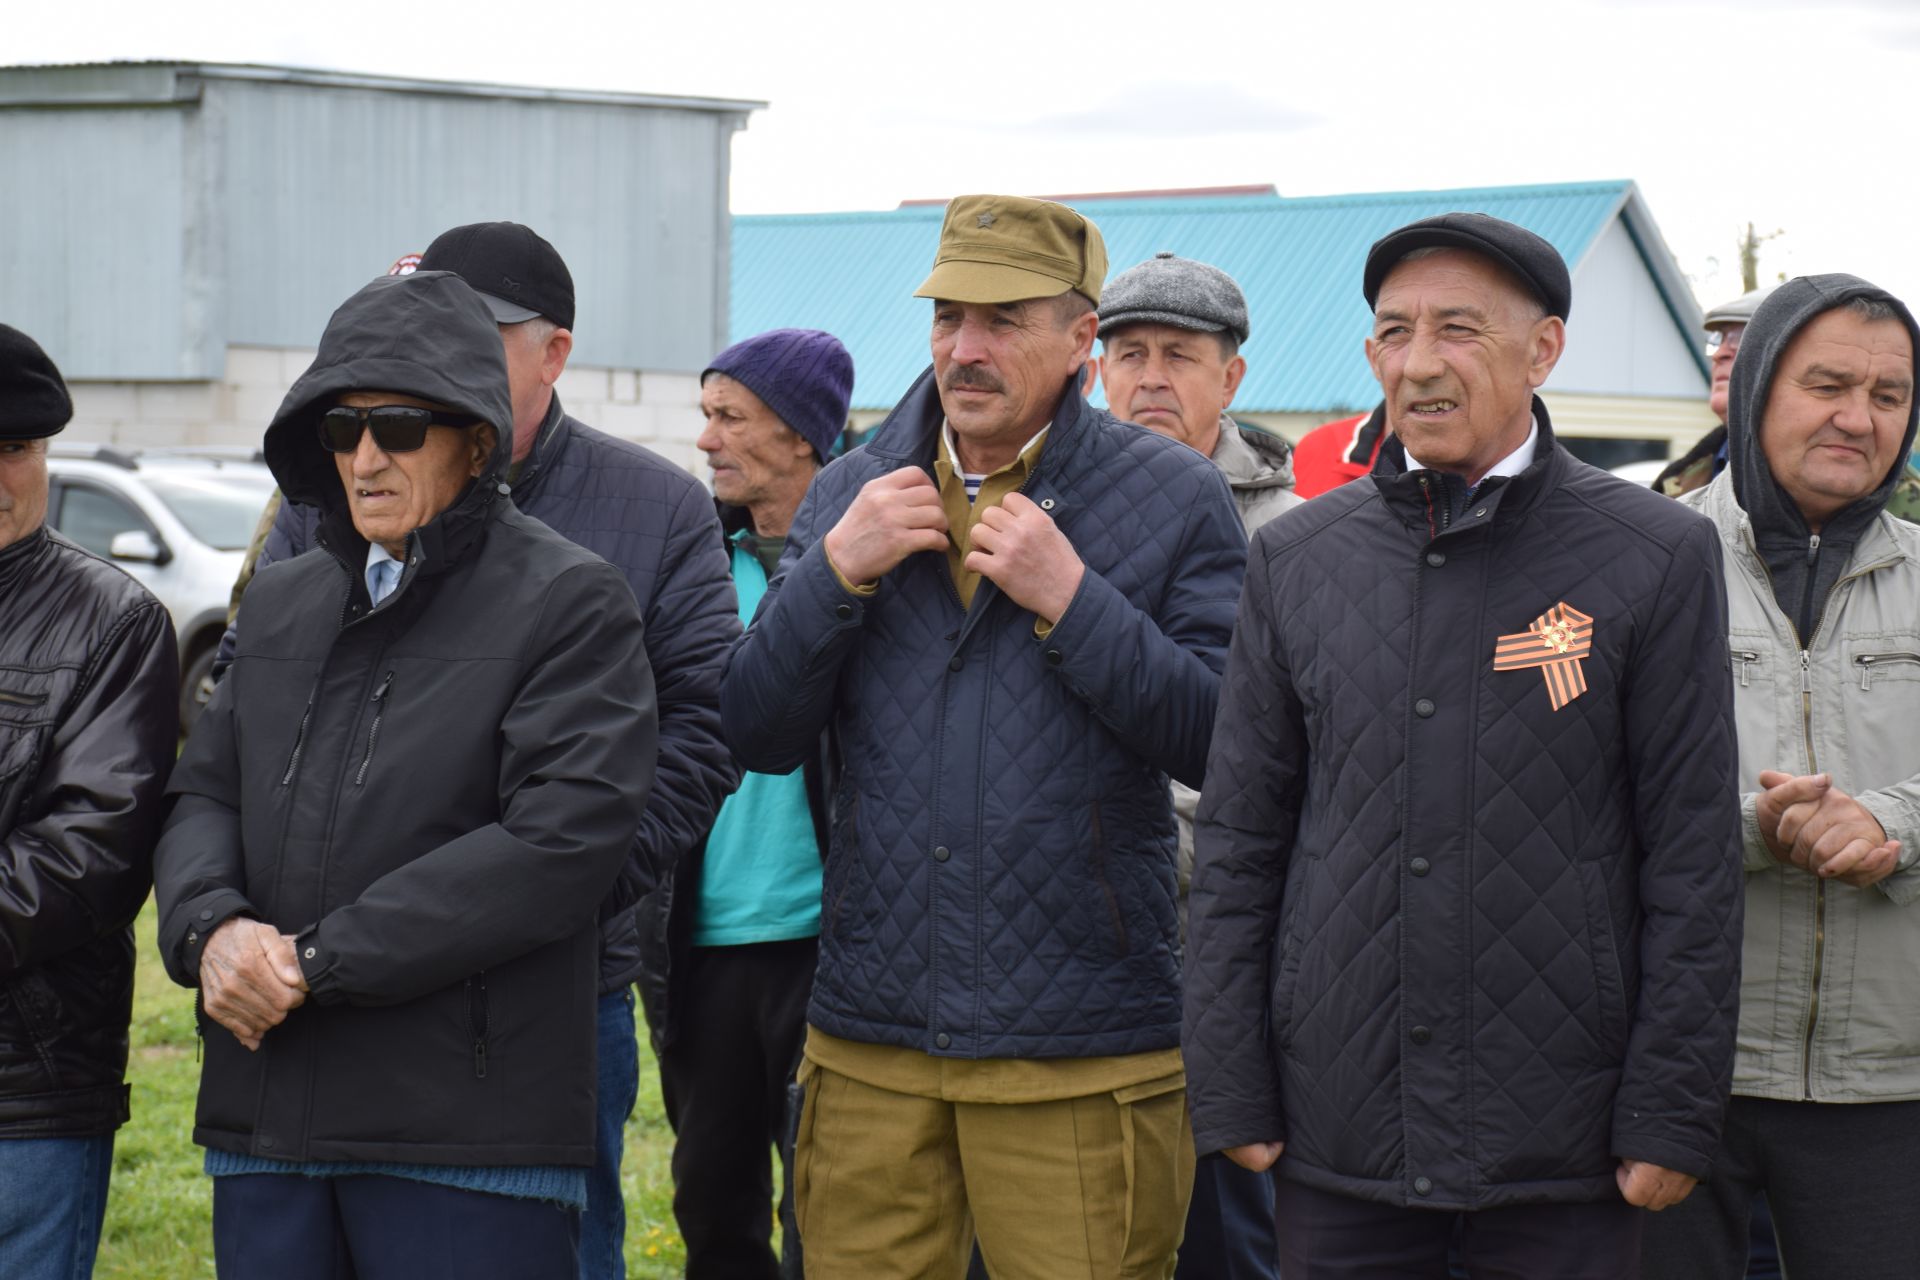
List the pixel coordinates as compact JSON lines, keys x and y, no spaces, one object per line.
{"x":221,"y":509}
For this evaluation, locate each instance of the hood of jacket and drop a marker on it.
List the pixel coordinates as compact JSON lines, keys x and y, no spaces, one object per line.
{"x":428,"y":335}
{"x":1803,"y":570}
{"x":1251,"y":458}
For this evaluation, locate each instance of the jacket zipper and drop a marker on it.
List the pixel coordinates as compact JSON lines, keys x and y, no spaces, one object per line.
{"x":477,"y":1021}
{"x":379,"y":701}
{"x":1868,"y":661}
{"x":1813,"y":766}
{"x":1819,"y":886}
{"x":23,"y":699}
{"x":300,"y":738}
{"x":1746,"y":658}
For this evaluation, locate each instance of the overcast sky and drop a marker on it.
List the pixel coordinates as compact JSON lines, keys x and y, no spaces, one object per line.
{"x":1788,"y":115}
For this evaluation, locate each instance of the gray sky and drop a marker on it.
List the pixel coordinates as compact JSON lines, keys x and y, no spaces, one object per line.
{"x":1724,"y":111}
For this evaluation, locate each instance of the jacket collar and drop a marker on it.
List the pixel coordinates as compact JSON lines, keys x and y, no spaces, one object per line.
{"x":911,"y":433}
{"x":1721,"y":504}
{"x":548,"y":444}
{"x":1416,"y":496}
{"x":1252,"y":462}
{"x":18,"y":559}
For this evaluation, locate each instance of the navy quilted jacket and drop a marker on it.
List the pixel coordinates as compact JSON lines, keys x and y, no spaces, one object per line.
{"x":1000,"y":878}
{"x":1456,"y":948}
{"x":654,"y":523}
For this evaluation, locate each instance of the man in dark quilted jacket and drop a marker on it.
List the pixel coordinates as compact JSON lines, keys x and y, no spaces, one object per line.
{"x":1465,"y":921}
{"x":1010,"y":610}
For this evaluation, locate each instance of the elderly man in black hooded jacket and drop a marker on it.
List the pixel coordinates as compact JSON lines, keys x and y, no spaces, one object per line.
{"x":393,"y":825}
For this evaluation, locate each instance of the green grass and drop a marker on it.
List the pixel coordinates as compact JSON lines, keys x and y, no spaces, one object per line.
{"x":159,"y":1214}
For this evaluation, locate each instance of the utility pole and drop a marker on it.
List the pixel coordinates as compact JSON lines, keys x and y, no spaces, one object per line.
{"x":1750,"y":257}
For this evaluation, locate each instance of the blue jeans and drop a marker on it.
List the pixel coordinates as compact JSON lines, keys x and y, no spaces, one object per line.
{"x":53,"y":1195}
{"x":603,"y":1227}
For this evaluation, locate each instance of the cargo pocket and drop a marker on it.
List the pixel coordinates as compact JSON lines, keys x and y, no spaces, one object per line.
{"x":1156,"y":1152}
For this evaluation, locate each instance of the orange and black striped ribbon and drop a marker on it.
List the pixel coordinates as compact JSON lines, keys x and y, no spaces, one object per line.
{"x":1555,"y":642}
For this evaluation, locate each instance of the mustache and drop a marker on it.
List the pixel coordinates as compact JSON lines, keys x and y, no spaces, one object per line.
{"x":969,"y":375}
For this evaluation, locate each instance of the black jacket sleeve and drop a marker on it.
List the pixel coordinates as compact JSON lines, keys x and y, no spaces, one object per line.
{"x":79,"y":865}
{"x":691,"y":623}
{"x":1243,"y":842}
{"x":1683,"y":766}
{"x":200,"y":867}
{"x":577,"y":750}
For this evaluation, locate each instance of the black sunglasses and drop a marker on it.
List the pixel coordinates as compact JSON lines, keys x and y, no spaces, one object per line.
{"x":397,"y":428}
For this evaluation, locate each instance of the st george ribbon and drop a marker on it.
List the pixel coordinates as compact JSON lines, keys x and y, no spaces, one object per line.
{"x":1555,"y":642}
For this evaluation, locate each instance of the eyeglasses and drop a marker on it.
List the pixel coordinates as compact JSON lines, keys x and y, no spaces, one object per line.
{"x":397,"y":428}
{"x":1728,"y":337}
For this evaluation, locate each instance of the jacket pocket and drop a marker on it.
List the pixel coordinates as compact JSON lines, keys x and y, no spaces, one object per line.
{"x":1097,"y":865}
{"x":1286,"y":979}
{"x":1746,"y":662}
{"x":1894,"y":662}
{"x":479,"y":1021}
{"x":379,"y":701}
{"x":1609,"y":981}
{"x":13,"y":698}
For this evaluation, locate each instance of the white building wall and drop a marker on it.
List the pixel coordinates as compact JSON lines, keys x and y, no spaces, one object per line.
{"x":1621,"y":337}
{"x":657,"y":409}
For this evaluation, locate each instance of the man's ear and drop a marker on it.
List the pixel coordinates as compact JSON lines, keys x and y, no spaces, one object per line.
{"x":553,"y":360}
{"x":1236,"y":370}
{"x":1548,"y":341}
{"x":485,"y":441}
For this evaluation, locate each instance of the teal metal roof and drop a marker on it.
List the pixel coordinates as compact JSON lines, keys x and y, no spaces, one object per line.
{"x":1298,"y":260}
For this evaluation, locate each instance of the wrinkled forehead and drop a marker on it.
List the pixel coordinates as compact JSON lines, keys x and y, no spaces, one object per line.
{"x":1854,"y":348}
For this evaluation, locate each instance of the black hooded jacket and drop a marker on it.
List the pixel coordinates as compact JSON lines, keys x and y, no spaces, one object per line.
{"x":432,"y":794}
{"x":1456,"y":946}
{"x":88,"y":717}
{"x":1802,"y":566}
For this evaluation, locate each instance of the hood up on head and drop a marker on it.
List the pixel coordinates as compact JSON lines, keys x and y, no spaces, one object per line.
{"x":1803,"y":568}
{"x":427,"y":334}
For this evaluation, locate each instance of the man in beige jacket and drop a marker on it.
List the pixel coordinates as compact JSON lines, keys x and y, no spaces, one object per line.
{"x":1824,"y":627}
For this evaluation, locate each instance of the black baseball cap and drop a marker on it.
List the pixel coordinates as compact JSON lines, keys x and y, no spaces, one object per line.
{"x":515,"y":272}
{"x":1538,"y":264}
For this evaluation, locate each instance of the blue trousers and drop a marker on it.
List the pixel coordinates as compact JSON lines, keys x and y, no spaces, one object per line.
{"x":53,"y":1196}
{"x":1229,"y":1224}
{"x":371,"y":1227}
{"x":603,"y":1227}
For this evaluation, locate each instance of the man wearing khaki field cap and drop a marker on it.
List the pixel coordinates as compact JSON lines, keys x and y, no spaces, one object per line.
{"x":1011,"y":611}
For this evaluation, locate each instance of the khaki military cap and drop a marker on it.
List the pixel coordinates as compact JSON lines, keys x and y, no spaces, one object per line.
{"x":1006,"y":248}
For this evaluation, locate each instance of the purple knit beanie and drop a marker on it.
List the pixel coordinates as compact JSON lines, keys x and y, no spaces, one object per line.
{"x":803,"y":375}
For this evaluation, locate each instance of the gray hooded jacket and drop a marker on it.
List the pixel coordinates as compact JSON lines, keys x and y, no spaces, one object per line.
{"x":1824,"y":636}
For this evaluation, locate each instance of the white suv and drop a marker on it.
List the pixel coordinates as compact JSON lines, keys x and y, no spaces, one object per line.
{"x":178,"y":520}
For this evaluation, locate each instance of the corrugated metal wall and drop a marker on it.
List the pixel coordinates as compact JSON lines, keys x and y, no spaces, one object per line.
{"x":140,"y":242}
{"x":92,"y":213}
{"x":327,"y":186}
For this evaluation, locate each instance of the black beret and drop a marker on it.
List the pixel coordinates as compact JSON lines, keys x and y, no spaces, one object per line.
{"x":33,"y":399}
{"x":1537,"y":263}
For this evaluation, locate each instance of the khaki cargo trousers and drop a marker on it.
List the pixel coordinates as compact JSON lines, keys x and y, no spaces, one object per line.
{"x":893,"y":1184}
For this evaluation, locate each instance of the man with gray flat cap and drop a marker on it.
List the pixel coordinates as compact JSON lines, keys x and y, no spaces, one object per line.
{"x":1172,"y":330}
{"x":1503,"y":1003}
{"x":88,"y":718}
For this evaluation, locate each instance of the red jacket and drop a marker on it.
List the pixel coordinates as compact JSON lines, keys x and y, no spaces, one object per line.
{"x":1332,"y":454}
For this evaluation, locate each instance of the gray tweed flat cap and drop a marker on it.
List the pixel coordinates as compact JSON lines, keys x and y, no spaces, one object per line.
{"x":1176,"y":291}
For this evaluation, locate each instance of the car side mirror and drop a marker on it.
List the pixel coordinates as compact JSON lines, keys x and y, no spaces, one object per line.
{"x":139,"y":547}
